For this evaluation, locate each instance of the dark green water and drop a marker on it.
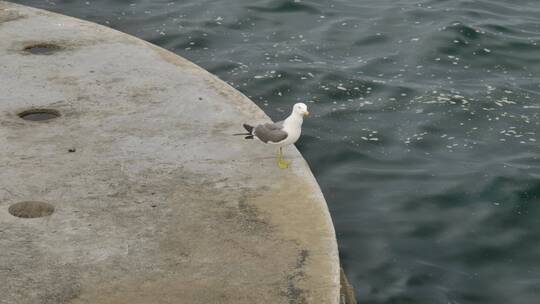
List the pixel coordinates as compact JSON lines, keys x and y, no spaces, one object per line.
{"x":424,"y":136}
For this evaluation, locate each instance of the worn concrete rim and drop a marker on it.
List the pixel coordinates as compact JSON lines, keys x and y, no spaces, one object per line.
{"x":327,"y":237}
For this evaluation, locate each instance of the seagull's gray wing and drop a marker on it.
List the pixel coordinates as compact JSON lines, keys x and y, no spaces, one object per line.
{"x":272,"y":132}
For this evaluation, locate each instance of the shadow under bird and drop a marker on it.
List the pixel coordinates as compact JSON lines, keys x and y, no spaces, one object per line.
{"x":282,"y":133}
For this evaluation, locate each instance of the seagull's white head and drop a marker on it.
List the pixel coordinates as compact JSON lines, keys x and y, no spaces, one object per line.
{"x":300,"y":109}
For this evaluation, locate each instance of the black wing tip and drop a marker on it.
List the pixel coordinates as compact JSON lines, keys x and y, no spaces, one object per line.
{"x":249,"y":133}
{"x":248,"y":128}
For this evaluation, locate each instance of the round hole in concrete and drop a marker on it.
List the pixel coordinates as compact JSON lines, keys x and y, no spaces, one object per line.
{"x":31,"y":209}
{"x":39,"y":114}
{"x":42,"y":48}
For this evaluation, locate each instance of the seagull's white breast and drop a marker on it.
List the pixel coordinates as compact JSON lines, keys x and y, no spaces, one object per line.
{"x":293,"y":127}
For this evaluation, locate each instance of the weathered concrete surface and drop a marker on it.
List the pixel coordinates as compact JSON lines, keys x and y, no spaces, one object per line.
{"x":158,"y":203}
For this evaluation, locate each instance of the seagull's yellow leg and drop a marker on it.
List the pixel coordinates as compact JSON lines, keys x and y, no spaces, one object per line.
{"x":282,"y":163}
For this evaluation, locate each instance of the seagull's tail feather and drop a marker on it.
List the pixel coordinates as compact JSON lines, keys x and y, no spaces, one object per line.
{"x":249,"y":133}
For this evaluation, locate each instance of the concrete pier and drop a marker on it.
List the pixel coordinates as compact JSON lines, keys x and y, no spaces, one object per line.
{"x":120,"y":181}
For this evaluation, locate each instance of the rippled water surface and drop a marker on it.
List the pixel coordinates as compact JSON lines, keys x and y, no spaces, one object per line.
{"x":424,"y":136}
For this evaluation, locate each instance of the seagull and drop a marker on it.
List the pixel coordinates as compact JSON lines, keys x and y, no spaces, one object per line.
{"x":281,"y":133}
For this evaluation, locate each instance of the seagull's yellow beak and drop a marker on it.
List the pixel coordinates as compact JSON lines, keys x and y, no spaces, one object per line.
{"x":306,"y":114}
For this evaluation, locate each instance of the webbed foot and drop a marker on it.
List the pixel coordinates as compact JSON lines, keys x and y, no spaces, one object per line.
{"x":283,"y":164}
